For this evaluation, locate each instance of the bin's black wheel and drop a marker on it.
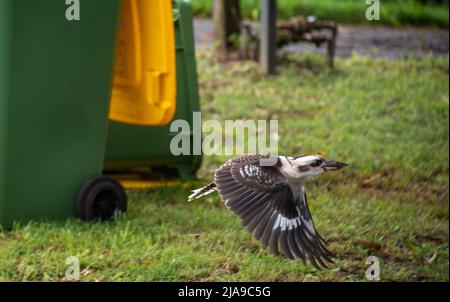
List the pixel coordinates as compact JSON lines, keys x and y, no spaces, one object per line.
{"x":100,"y":198}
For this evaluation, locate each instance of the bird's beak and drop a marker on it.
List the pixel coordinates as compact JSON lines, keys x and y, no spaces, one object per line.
{"x":334,"y":165}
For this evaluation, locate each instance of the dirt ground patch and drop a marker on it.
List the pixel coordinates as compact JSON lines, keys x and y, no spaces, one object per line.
{"x":375,"y":41}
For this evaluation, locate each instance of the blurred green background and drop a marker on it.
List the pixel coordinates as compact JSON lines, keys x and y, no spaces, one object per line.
{"x":393,"y":12}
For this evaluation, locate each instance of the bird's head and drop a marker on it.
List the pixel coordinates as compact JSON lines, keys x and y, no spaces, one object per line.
{"x":307,"y":167}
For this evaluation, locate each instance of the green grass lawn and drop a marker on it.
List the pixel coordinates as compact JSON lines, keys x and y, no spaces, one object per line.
{"x":392,"y":12}
{"x":388,"y":119}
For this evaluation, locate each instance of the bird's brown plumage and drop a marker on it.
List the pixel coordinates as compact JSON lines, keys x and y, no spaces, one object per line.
{"x":267,"y":206}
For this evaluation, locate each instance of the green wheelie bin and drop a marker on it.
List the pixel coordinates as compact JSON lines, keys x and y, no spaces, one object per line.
{"x":131,"y":144}
{"x":55,"y":84}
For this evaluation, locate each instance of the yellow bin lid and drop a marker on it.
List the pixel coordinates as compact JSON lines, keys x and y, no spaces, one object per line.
{"x":144,"y":84}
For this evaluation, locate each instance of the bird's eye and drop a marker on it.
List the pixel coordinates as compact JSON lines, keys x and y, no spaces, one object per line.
{"x":316,"y":163}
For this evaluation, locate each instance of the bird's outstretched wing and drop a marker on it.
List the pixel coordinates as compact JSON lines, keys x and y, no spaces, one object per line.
{"x":267,"y":207}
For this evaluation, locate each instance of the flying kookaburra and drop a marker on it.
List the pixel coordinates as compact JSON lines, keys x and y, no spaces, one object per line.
{"x":271,"y":202}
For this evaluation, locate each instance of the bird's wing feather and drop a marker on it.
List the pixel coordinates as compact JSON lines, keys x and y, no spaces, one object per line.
{"x":262,"y":198}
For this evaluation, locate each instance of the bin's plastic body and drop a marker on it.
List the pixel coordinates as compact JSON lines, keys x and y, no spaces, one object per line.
{"x":136,"y":145}
{"x":55,"y":83}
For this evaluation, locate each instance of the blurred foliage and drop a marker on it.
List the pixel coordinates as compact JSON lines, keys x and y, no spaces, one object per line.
{"x":393,"y":12}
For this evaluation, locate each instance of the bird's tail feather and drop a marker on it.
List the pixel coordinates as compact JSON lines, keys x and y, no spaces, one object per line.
{"x":198,"y":193}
